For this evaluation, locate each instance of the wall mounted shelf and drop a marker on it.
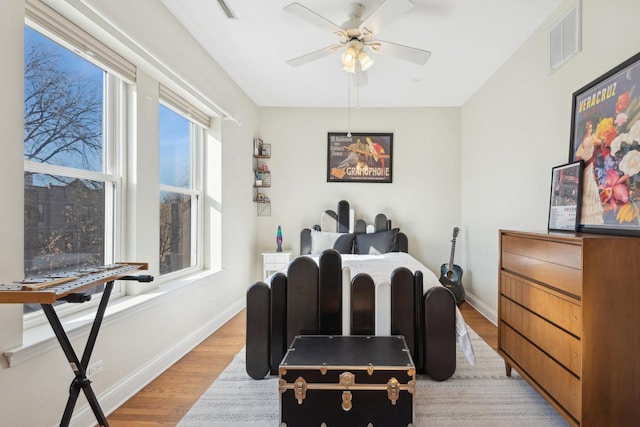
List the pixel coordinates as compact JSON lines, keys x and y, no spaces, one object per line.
{"x":261,"y":176}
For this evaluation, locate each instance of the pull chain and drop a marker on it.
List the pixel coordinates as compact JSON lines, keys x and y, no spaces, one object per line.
{"x":357,"y":93}
{"x":349,"y":106}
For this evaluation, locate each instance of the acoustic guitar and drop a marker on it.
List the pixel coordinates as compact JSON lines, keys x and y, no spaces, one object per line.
{"x":451,"y":274}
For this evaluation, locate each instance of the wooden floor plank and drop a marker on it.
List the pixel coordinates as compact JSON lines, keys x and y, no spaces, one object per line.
{"x":483,"y":327}
{"x":165,"y":400}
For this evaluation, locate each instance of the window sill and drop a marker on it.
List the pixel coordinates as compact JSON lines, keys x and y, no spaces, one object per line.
{"x":41,"y":339}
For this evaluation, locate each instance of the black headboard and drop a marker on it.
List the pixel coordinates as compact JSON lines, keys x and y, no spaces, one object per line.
{"x":342,"y":219}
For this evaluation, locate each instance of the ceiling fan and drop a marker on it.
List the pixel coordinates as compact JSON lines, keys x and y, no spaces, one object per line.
{"x":356,"y":36}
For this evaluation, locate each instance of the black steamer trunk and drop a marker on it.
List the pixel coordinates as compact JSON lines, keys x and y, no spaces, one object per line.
{"x":347,"y":381}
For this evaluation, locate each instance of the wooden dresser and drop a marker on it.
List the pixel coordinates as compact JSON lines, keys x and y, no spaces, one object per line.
{"x":569,"y":322}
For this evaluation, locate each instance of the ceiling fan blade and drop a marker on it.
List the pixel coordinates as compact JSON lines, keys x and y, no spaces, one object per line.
{"x":312,"y":56}
{"x":387,"y":12}
{"x":313,"y":18}
{"x":398,"y":51}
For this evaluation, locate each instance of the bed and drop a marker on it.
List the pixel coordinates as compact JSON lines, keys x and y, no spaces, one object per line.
{"x":355,"y":279}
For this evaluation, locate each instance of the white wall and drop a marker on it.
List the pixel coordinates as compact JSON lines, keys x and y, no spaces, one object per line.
{"x":423,"y":200}
{"x":139,"y":345}
{"x":516,"y":128}
{"x":483,"y":167}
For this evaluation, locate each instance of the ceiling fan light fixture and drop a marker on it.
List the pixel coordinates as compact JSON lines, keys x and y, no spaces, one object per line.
{"x":357,"y":34}
{"x":349,"y":57}
{"x":350,"y":68}
{"x":365,"y":61}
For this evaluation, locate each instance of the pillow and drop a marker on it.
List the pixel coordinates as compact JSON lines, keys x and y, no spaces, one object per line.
{"x":322,"y":240}
{"x":377,"y":243}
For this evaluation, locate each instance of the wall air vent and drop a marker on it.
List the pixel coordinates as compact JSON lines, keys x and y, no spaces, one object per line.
{"x":564,"y":38}
{"x":227,"y":10}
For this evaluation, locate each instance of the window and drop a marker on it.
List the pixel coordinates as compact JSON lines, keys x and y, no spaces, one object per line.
{"x":180,"y":143}
{"x":72,"y":177}
{"x":75,"y":158}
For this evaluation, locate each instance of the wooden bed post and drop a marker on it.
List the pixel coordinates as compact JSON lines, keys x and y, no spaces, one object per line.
{"x":278,"y":336}
{"x":440,"y":333}
{"x":330,"y":293}
{"x":302,"y":298}
{"x":363,"y":305}
{"x":258,"y":321}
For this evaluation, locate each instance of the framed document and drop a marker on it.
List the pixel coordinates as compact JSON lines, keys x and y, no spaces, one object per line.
{"x":566,"y":196}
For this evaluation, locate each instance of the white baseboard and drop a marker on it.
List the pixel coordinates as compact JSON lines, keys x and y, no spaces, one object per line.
{"x":484,"y":309}
{"x":112,"y":398}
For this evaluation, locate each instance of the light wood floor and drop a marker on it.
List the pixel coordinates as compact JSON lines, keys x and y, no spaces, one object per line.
{"x":165,"y":400}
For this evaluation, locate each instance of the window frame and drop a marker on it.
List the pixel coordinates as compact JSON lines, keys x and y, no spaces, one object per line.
{"x":114,"y":131}
{"x":197,"y":139}
{"x":204,"y":123}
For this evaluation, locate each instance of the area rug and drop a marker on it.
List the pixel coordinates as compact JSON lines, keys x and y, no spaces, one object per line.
{"x":478,"y":395}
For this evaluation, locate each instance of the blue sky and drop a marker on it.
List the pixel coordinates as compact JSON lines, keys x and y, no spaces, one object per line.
{"x":74,"y":66}
{"x":174,"y":129}
{"x":174,"y":148}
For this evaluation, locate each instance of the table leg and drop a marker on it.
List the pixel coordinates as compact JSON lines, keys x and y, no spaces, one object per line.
{"x":80,"y":382}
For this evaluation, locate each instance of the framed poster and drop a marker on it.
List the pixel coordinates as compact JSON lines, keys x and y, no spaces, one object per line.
{"x":605,"y":134}
{"x":359,"y":157}
{"x":566,"y":194}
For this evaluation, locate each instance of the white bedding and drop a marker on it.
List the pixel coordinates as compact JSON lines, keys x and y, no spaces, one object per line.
{"x":379,"y":267}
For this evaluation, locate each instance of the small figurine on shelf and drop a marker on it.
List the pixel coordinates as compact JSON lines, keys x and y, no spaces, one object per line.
{"x":257,"y":146}
{"x":279,"y":239}
{"x":265,"y":168}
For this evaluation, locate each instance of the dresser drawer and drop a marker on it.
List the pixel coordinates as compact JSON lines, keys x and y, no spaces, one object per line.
{"x":277,"y":258}
{"x":556,"y":310}
{"x":558,"y":382}
{"x":562,"y":346}
{"x":566,"y":254}
{"x":275,"y":266}
{"x":555,"y":264}
{"x":273,"y":262}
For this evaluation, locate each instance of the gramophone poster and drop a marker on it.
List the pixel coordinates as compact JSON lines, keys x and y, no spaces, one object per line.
{"x":360,"y":157}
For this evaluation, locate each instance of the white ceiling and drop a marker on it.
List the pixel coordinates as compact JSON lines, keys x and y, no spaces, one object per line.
{"x":468,"y":40}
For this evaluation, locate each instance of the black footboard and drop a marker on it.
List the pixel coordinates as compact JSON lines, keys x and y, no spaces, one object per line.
{"x":440,"y":333}
{"x":363,"y":305}
{"x":308,"y":300}
{"x":403,"y":309}
{"x":258,"y":321}
{"x":278,"y":341}
{"x":302,"y":298}
{"x":330,"y":294}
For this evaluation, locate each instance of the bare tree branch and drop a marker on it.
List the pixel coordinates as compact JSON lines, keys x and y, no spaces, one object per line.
{"x":63,"y":113}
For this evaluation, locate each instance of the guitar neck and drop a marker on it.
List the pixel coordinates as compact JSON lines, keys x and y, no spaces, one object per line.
{"x":453,"y":250}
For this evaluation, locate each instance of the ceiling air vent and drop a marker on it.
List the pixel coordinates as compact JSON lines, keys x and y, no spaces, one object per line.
{"x":227,"y":10}
{"x":564,"y":38}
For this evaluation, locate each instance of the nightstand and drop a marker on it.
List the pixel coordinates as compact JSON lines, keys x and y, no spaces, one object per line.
{"x":273,"y":262}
